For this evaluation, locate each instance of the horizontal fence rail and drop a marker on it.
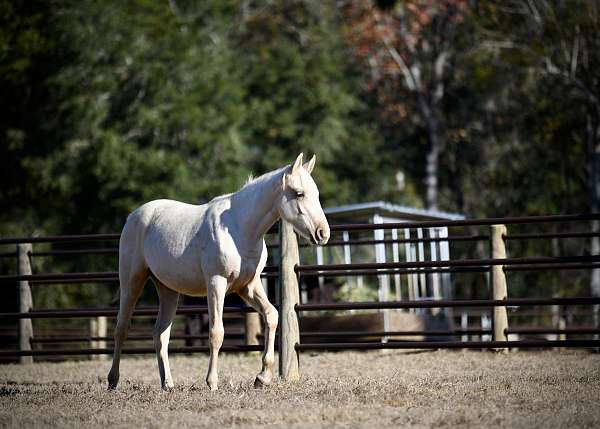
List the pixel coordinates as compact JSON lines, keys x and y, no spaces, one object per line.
{"x":97,"y":276}
{"x":140,"y":350}
{"x":467,"y":222}
{"x":325,"y":334}
{"x":475,"y":269}
{"x":448,"y":345}
{"x":112,"y":312}
{"x":456,"y":263}
{"x":447,"y":303}
{"x":334,"y":243}
{"x":60,"y":238}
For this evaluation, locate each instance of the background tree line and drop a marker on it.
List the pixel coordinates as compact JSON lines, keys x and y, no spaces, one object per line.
{"x":489,"y":108}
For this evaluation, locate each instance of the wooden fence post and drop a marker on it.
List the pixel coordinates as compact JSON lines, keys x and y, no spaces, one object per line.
{"x":289,"y":334}
{"x":98,"y":329}
{"x":498,"y":283}
{"x":93,"y":324}
{"x":252,"y":330}
{"x":253,"y":327}
{"x":25,"y":330}
{"x":101,"y":323}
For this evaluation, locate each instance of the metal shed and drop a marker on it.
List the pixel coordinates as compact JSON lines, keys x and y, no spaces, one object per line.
{"x":412,"y":286}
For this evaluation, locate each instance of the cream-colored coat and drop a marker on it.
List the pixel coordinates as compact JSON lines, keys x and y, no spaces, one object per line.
{"x":211,"y":250}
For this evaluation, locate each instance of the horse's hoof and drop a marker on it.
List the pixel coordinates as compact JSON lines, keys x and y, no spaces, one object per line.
{"x":112,"y":383}
{"x":168,"y":388}
{"x":259,"y":382}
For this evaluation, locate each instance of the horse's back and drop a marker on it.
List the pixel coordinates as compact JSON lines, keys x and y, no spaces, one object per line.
{"x":164,"y":235}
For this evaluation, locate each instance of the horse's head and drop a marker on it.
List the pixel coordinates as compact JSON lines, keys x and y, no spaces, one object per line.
{"x":300,"y":205}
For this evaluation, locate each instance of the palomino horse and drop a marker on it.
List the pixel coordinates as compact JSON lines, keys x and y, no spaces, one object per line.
{"x":211,"y":250}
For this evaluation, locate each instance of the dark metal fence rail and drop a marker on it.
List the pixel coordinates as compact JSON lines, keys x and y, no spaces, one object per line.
{"x":93,"y":276}
{"x":141,"y":350}
{"x":375,"y":271}
{"x":468,"y":222}
{"x":455,"y":263}
{"x":369,"y":227}
{"x":583,"y":330}
{"x":333,"y":243}
{"x":112,"y":312}
{"x":60,"y":238}
{"x":82,"y":339}
{"x":447,"y":303}
{"x":70,"y":252}
{"x":448,"y":345}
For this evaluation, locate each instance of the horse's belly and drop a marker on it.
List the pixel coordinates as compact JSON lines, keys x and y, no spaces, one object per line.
{"x":176,"y":264}
{"x":180,"y":277}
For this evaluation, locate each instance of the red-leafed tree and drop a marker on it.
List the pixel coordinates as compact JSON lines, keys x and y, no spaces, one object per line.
{"x":408,"y":48}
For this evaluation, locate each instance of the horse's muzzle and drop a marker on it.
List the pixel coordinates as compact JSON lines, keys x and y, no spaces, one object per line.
{"x":322,"y":235}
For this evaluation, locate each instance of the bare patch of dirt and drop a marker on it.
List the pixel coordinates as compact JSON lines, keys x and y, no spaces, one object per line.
{"x":370,"y":389}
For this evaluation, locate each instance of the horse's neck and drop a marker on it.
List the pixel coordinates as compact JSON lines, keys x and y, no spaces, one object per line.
{"x":256,"y":209}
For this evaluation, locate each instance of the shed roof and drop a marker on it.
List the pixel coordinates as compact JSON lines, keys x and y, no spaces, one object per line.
{"x":389,"y":210}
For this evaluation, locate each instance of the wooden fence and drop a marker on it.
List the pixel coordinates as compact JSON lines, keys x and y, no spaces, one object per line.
{"x":292,"y":340}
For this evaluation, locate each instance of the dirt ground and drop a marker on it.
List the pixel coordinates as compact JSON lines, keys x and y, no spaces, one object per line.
{"x":370,"y":389}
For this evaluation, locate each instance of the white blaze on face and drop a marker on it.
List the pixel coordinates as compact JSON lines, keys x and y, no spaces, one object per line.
{"x":300,"y":203}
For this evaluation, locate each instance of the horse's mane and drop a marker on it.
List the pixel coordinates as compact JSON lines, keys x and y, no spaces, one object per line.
{"x":253,"y":181}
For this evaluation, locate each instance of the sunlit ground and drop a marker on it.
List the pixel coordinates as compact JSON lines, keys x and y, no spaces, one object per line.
{"x":373,"y":389}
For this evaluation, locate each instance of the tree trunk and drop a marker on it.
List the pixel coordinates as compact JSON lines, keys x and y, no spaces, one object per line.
{"x":431,"y":172}
{"x":434,"y":135}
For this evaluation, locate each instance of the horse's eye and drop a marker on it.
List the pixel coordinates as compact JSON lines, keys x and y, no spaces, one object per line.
{"x":299,"y":194}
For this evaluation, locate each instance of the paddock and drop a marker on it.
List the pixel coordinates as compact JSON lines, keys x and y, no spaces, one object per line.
{"x":388,"y":388}
{"x":346,"y":378}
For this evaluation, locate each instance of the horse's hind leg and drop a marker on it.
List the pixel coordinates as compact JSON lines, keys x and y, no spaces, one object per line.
{"x":254,"y":294}
{"x":132,"y":284}
{"x":162,"y":331}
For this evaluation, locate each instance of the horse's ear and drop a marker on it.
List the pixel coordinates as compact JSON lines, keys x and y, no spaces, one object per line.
{"x":297,"y":164}
{"x":310,"y":165}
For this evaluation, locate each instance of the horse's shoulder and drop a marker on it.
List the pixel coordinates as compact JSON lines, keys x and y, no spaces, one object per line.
{"x":214,"y":224}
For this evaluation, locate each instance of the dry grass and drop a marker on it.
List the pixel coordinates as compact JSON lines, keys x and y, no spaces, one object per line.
{"x":374,"y":389}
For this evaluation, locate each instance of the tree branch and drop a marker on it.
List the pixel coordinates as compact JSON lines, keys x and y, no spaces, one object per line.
{"x":412,"y":82}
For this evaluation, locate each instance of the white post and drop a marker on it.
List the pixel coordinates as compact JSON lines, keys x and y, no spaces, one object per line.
{"x":93,"y":332}
{"x":435,"y":277}
{"x":290,"y":331}
{"x":422,"y":277}
{"x":321,"y":280}
{"x":347,"y":254}
{"x":559,"y":322}
{"x":485,"y":324}
{"x":409,"y":277}
{"x":396,"y":257}
{"x":384,"y":285}
{"x":464,"y":324}
{"x":445,"y":256}
{"x":498,"y":283}
{"x":25,"y":330}
{"x":101,"y":323}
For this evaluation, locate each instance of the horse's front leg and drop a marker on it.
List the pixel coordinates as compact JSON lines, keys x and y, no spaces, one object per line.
{"x":217,"y":286}
{"x":254,"y":294}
